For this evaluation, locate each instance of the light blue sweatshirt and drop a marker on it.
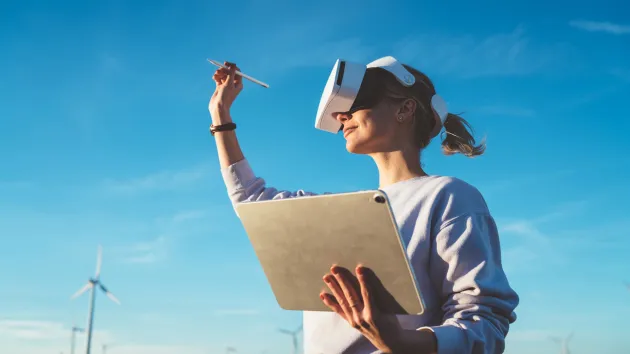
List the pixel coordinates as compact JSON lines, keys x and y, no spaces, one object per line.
{"x":453,"y":245}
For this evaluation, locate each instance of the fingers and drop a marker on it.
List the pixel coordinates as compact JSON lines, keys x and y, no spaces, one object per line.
{"x":238,"y":79}
{"x":331,"y":302}
{"x":343,"y":278}
{"x":362,"y":275}
{"x":231,"y":73}
{"x":334,"y":287}
{"x":228,"y":76}
{"x":218,"y":77}
{"x":345,"y":281}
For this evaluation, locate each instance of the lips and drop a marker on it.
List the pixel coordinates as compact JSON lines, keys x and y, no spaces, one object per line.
{"x":348,"y":131}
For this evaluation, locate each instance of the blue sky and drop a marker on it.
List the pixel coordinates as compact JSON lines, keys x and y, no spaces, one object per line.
{"x":104,"y":141}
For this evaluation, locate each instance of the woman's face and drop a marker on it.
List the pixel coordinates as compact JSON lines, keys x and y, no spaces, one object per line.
{"x":372,"y":130}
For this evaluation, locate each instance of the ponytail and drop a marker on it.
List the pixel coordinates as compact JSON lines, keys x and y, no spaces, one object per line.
{"x":459,"y":138}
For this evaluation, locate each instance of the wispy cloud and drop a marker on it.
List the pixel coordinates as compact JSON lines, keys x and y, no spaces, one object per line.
{"x":309,"y":43}
{"x":31,"y":330}
{"x":521,"y":180}
{"x":607,"y":235}
{"x":527,"y":229}
{"x":237,"y":312}
{"x":529,"y":243}
{"x":146,"y":252}
{"x":563,"y":210}
{"x":160,"y":349}
{"x":39,"y":337}
{"x":188,"y":215}
{"x":38,"y":330}
{"x":159,"y":248}
{"x":314,"y":43}
{"x":467,"y":56}
{"x":159,"y":181}
{"x":606,"y":27}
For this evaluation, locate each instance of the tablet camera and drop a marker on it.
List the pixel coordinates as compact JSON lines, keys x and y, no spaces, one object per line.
{"x":379,"y":198}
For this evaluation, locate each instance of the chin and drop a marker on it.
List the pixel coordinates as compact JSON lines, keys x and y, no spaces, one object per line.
{"x":355,"y":148}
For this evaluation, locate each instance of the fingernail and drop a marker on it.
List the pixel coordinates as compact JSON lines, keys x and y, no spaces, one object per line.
{"x":334,"y":269}
{"x":322,"y":296}
{"x":326,"y":278}
{"x":360,"y":270}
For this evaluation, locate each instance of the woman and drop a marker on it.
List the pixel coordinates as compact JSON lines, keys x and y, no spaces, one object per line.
{"x":451,"y":238}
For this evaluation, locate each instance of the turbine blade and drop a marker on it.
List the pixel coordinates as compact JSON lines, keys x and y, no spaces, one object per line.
{"x":99,"y":260}
{"x":109,"y":294}
{"x":112,"y":297}
{"x":285,"y":331}
{"x":81,"y":291}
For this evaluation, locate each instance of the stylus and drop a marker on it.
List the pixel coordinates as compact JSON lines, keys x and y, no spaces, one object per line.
{"x":240,"y":73}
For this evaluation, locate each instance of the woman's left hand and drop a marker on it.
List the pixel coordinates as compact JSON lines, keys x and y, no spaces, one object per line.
{"x":358,"y":306}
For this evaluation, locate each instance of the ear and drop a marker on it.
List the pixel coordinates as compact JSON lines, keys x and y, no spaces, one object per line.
{"x":407,"y":109}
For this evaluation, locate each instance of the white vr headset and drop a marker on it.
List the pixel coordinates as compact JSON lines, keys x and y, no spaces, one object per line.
{"x":344,"y":83}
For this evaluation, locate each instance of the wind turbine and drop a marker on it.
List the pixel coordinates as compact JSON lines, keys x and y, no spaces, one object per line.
{"x":294,"y":335}
{"x":230,"y":350}
{"x":91,"y":285}
{"x":74,"y":329}
{"x":564,"y":343}
{"x":105,"y":347}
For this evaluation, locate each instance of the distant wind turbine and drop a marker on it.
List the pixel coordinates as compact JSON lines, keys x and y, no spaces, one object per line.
{"x":230,"y":350}
{"x":91,"y":285}
{"x":105,"y":347}
{"x":294,"y":335}
{"x":74,"y":329}
{"x":564,"y":343}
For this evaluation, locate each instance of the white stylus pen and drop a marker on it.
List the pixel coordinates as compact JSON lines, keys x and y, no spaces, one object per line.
{"x":239,"y":73}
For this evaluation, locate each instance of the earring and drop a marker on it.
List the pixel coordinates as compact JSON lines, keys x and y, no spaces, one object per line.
{"x":401,"y":118}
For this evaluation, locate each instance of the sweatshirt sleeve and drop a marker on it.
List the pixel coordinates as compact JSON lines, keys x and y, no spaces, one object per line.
{"x":477,"y":300}
{"x":243,"y":185}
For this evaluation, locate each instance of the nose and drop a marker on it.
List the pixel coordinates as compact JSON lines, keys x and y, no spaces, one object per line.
{"x":343,"y":117}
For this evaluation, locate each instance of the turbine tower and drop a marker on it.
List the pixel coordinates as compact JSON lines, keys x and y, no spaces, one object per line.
{"x":92,"y":285}
{"x":74,"y":329}
{"x":293,"y":335}
{"x":564,"y":343}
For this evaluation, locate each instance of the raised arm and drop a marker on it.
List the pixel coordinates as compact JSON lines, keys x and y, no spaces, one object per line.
{"x":240,"y":180}
{"x":228,"y":86}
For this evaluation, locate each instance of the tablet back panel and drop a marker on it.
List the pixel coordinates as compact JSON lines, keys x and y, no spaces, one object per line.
{"x":297,"y":240}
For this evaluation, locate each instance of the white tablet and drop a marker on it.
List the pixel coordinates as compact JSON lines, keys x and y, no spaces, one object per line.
{"x":297,"y":240}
